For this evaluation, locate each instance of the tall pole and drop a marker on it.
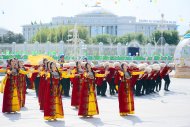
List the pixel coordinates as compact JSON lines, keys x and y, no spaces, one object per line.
{"x":40,"y":32}
{"x":40,"y":35}
{"x":57,"y":32}
{"x":50,"y":30}
{"x":162,"y":29}
{"x":62,"y":30}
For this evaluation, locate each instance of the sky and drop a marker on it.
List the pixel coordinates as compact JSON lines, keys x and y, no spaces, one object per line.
{"x":15,"y":13}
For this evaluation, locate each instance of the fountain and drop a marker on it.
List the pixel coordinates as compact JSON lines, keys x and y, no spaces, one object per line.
{"x":182,"y":58}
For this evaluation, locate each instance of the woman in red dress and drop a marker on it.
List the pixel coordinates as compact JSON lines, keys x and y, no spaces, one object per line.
{"x":11,"y":102}
{"x":88,"y":105}
{"x":77,"y":83}
{"x":43,"y":69}
{"x":125,"y":93}
{"x":22,"y":84}
{"x":53,"y":107}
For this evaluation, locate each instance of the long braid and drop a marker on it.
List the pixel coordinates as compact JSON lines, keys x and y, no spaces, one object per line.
{"x":51,"y":82}
{"x":59,"y":76}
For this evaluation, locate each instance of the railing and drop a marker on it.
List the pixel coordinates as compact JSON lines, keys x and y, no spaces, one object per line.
{"x":83,"y":49}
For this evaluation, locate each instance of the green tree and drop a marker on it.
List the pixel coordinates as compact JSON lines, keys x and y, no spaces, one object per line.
{"x":19,"y":38}
{"x":59,"y":33}
{"x":140,"y":38}
{"x":171,"y":36}
{"x":130,"y":37}
{"x":105,"y":39}
{"x":11,"y":37}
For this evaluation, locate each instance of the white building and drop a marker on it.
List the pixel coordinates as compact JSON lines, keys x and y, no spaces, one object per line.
{"x":101,"y":21}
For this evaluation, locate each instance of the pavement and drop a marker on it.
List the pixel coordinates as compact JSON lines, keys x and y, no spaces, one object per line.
{"x":163,"y":109}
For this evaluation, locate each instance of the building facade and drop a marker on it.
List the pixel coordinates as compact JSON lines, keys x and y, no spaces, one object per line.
{"x":100,"y":21}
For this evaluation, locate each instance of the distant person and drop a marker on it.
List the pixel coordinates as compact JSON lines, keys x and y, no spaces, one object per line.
{"x":61,"y":61}
{"x":85,"y":60}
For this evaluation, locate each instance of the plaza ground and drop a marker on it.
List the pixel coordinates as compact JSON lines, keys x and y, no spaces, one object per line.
{"x":163,"y":109}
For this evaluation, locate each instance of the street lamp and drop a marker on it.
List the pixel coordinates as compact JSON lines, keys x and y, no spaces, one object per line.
{"x":162,"y":29}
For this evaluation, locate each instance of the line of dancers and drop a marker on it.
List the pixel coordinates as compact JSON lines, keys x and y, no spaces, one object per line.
{"x":52,"y":80}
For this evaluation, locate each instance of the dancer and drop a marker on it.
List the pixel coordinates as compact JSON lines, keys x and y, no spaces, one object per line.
{"x":11,"y":102}
{"x":88,"y":105}
{"x":77,"y":83}
{"x":125,"y":93}
{"x":53,"y":107}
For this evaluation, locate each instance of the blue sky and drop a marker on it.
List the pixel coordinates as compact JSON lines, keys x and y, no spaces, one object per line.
{"x":15,"y":13}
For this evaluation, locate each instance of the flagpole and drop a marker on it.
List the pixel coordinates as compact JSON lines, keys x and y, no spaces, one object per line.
{"x":40,"y":31}
{"x":50,"y":31}
{"x":56,"y":36}
{"x":62,"y":31}
{"x":57,"y":33}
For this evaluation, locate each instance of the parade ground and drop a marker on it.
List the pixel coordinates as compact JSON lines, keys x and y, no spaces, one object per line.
{"x":163,"y":109}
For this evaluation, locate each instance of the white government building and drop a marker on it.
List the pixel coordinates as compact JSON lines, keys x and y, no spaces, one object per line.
{"x":101,"y":21}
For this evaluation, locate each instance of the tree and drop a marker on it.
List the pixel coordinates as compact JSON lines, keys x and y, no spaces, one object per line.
{"x":130,"y":37}
{"x":60,"y":33}
{"x":171,"y":36}
{"x":104,"y":38}
{"x":140,"y":38}
{"x":11,"y":37}
{"x":19,"y":38}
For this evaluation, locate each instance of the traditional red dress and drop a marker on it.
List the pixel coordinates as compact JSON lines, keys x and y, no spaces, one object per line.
{"x":77,"y":83}
{"x":99,"y":80}
{"x":53,"y":107}
{"x":164,"y":71}
{"x":116,"y":78}
{"x":125,"y":94}
{"x":11,"y":102}
{"x":22,"y":87}
{"x":88,"y":105}
{"x":42,"y":88}
{"x":110,"y":75}
{"x":134,"y":78}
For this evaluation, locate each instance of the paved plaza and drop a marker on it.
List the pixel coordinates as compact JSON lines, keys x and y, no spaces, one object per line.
{"x":164,"y":109}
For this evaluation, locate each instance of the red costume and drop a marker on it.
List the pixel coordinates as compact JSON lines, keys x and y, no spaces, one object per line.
{"x":126,"y":97}
{"x":22,"y":88}
{"x":88,"y":105}
{"x":53,"y":107}
{"x":11,"y":101}
{"x":77,"y":83}
{"x":42,"y":88}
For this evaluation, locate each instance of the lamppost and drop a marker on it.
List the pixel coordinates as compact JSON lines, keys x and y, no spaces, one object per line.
{"x":62,"y":31}
{"x":162,"y":29}
{"x":155,"y":45}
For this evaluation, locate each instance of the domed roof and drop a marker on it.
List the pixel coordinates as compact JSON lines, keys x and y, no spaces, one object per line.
{"x":134,"y":44}
{"x":96,"y":11}
{"x":182,"y":52}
